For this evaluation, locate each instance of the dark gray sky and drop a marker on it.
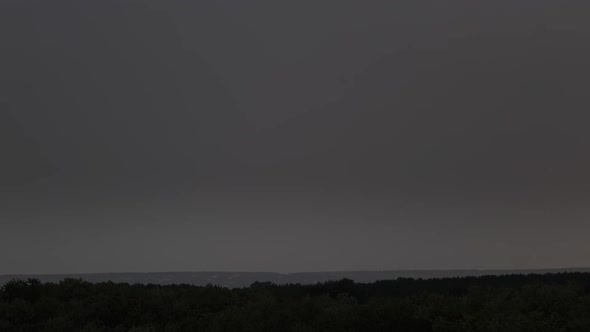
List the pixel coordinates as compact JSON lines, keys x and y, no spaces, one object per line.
{"x":305,"y":135}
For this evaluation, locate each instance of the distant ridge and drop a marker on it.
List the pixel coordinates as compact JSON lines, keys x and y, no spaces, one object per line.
{"x":245,"y":279}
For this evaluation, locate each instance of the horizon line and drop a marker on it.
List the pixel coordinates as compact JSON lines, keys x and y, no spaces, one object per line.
{"x":304,"y":272}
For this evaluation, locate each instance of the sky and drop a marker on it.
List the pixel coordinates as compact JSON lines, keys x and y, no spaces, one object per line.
{"x":292,"y":136}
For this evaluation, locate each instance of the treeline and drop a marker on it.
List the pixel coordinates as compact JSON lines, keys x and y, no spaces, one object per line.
{"x":536,"y":303}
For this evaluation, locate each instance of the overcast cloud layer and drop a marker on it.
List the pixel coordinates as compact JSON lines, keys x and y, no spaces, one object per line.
{"x":293,"y":135}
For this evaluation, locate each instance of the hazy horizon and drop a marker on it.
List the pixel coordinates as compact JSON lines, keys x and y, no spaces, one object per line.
{"x":296,"y":136}
{"x":557,"y":269}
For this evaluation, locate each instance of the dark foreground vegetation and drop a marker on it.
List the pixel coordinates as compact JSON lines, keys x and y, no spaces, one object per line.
{"x":536,"y":303}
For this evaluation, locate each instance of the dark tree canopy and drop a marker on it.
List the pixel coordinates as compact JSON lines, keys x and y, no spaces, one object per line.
{"x":550,"y":302}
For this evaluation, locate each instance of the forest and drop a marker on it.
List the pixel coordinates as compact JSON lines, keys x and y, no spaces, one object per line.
{"x":535,"y":302}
